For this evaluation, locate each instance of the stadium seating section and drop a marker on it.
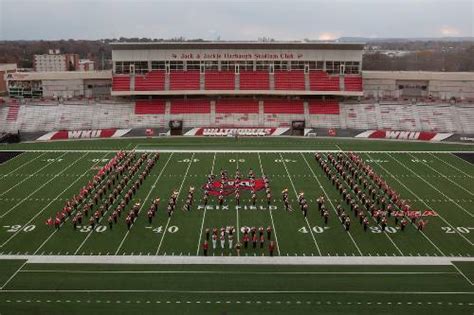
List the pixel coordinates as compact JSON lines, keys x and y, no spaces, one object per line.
{"x":326,"y":107}
{"x":121,"y":83}
{"x":184,"y":80}
{"x":152,"y":81}
{"x":190,"y":106}
{"x":219,"y":80}
{"x":289,"y":80}
{"x":441,"y":117}
{"x":353,"y":83}
{"x":237,"y":106}
{"x":321,"y":81}
{"x":276,"y":106}
{"x":149,"y":107}
{"x":254,"y":80}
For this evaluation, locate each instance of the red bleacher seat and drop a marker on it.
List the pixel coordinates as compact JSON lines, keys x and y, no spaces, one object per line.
{"x":219,"y":80}
{"x":241,"y":106}
{"x":150,"y":107}
{"x":320,"y":107}
{"x":275,"y":106}
{"x":121,"y":83}
{"x":321,"y":81}
{"x":184,"y":80}
{"x":13,"y":110}
{"x":152,"y":81}
{"x":289,"y":80}
{"x":353,"y":83}
{"x":190,"y":106}
{"x":254,"y":80}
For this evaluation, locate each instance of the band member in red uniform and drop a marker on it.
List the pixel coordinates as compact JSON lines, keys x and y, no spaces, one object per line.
{"x":403,"y":224}
{"x":269,"y":232}
{"x":205,"y":247}
{"x":254,"y":241}
{"x":271,"y":248}
{"x":262,"y":240}
{"x":111,"y":221}
{"x":246,"y":240}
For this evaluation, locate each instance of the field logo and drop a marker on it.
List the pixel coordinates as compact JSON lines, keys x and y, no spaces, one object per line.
{"x":230,"y":185}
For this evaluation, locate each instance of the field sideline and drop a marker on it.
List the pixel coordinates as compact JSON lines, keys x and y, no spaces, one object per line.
{"x":35,"y":184}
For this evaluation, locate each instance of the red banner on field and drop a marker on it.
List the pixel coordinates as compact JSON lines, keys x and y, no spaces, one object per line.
{"x":84,"y":134}
{"x":404,"y":135}
{"x":222,"y":132}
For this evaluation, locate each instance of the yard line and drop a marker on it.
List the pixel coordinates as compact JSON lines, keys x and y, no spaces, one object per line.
{"x":296,"y":195}
{"x":423,"y":202}
{"x":22,"y":165}
{"x":452,"y":166}
{"x":462,"y":274}
{"x":205,"y":210}
{"x":27,"y":197}
{"x":445,"y":177}
{"x":177,"y":198}
{"x":416,"y":174}
{"x":238,"y":291}
{"x":55,"y":230}
{"x":354,"y":273}
{"x":45,"y":207}
{"x":269,"y":210}
{"x":330,"y":201}
{"x":146,"y":199}
{"x":29,"y":176}
{"x":409,"y":190}
{"x":13,"y":275}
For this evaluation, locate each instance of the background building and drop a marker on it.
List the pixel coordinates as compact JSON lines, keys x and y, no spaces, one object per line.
{"x":55,"y":61}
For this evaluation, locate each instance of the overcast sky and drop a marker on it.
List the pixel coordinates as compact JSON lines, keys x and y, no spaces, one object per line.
{"x":234,"y":20}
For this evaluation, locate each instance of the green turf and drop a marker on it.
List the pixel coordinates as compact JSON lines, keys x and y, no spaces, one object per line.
{"x":235,"y":289}
{"x":34,"y":186}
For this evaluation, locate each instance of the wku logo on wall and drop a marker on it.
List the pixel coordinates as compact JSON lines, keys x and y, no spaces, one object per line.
{"x":230,"y":185}
{"x":404,"y":135}
{"x":84,"y":134}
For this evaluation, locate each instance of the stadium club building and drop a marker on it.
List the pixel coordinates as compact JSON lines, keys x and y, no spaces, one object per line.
{"x":248,"y":88}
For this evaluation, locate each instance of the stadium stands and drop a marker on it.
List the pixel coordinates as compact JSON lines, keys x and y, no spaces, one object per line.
{"x":282,"y":106}
{"x":190,"y":106}
{"x":149,"y":107}
{"x":184,"y":80}
{"x":289,"y":80}
{"x":219,"y":80}
{"x":152,"y":81}
{"x":254,"y":80}
{"x":121,"y":83}
{"x":321,"y":81}
{"x":245,"y":106}
{"x":323,"y":107}
{"x":353,"y":83}
{"x":13,"y":109}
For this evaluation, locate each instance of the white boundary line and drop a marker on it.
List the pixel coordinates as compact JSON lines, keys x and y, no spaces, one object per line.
{"x":29,"y":176}
{"x":452,"y":166}
{"x":296,"y":195}
{"x":245,"y":260}
{"x":410,"y":191}
{"x":330,"y":201}
{"x":448,"y":179}
{"x":269,"y":210}
{"x":55,"y":230}
{"x":296,"y":150}
{"x":179,"y":192}
{"x":240,"y":291}
{"x":227,"y":272}
{"x":431,"y":185}
{"x":146,"y":199}
{"x":424,"y":202}
{"x":205,"y":210}
{"x":462,"y":274}
{"x":45,"y":207}
{"x":13,"y":275}
{"x":22,"y":165}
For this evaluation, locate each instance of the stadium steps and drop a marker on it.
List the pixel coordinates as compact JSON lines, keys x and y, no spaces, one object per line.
{"x":13,"y":110}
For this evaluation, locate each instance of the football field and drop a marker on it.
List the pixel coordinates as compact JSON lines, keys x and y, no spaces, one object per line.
{"x":438,"y":181}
